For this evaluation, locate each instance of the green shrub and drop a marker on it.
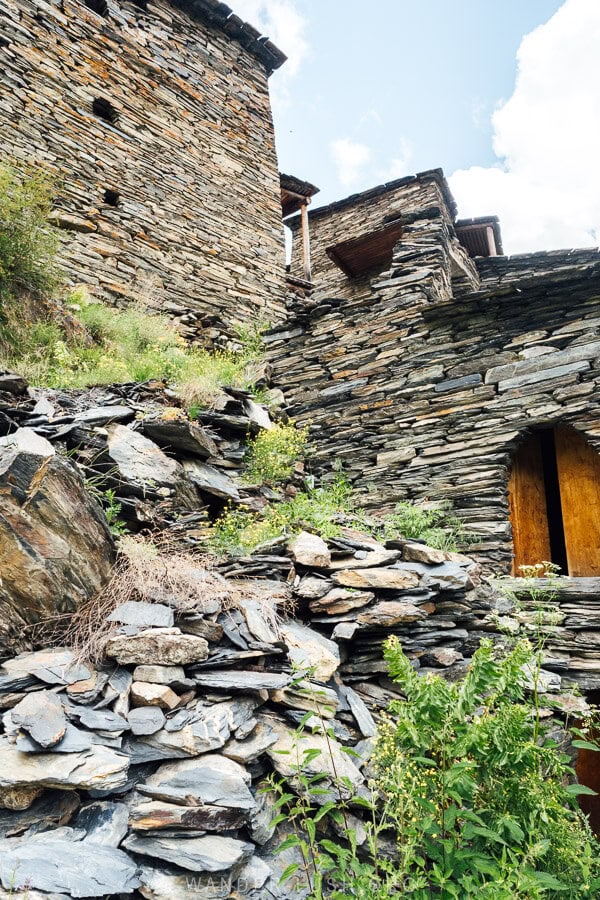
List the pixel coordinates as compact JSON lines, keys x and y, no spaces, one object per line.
{"x":239,"y":531}
{"x":273,"y":453}
{"x":433,"y":524}
{"x":477,"y":788}
{"x":469,"y":788}
{"x":28,"y":243}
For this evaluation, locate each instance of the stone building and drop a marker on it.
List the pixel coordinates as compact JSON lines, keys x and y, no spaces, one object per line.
{"x":437,"y":369}
{"x":155,"y":118}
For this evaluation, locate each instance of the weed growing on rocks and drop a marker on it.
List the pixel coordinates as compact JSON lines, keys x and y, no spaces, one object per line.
{"x":471,"y":798}
{"x":239,"y":531}
{"x":274,"y":452}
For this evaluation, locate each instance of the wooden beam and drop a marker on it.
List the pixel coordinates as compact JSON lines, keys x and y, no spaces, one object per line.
{"x":305,"y":241}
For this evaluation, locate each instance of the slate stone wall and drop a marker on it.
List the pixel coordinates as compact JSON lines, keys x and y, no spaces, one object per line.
{"x":424,"y":386}
{"x":413,"y":201}
{"x":197,"y":225}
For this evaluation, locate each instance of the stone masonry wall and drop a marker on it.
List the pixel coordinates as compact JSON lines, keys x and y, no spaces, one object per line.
{"x":425,"y":394}
{"x":197,"y":228}
{"x":415,"y":199}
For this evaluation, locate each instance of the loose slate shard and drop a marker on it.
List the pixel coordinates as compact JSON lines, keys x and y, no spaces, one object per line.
{"x":211,"y":853}
{"x":211,"y":779}
{"x":56,"y":666}
{"x":80,"y":869}
{"x":142,"y":614}
{"x":42,"y":716}
{"x":156,"y":815}
{"x":99,"y":767}
{"x":211,"y":481}
{"x":164,"y":646}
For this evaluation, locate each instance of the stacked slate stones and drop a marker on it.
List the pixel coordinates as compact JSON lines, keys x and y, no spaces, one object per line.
{"x":146,"y":773}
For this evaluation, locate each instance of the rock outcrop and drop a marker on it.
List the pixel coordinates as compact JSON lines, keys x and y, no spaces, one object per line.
{"x":55,"y":546}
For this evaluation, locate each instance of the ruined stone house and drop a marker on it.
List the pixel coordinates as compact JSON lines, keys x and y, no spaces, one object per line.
{"x":437,"y":369}
{"x":155,"y":119}
{"x":429,"y":364}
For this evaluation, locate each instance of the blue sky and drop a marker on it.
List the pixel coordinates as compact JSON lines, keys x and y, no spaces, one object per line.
{"x":505,"y":97}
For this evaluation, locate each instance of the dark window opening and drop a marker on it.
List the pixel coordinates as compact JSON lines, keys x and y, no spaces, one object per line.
{"x":556,"y":529}
{"x":112,"y":197}
{"x":97,"y":6}
{"x":105,"y":110}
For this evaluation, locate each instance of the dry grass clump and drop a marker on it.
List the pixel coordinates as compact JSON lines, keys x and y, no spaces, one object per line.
{"x":156,"y":570}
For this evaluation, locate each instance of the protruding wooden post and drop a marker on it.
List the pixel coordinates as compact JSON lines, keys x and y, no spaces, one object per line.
{"x":305,"y":240}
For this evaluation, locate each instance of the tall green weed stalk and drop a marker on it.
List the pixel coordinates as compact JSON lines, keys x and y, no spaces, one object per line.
{"x":471,"y":790}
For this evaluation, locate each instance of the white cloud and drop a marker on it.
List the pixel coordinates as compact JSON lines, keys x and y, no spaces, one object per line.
{"x":350,"y":159}
{"x":286,"y":27}
{"x":546,"y":185}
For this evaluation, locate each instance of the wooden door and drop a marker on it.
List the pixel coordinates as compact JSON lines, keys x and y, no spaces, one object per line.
{"x":579,"y":479}
{"x":528,"y":510}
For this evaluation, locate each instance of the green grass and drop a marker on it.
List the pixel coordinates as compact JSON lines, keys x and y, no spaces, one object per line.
{"x":239,"y":531}
{"x":75,"y":341}
{"x":108,"y":345}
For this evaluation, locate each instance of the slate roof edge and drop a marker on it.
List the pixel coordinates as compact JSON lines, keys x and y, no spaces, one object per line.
{"x":221,"y":16}
{"x":436,"y":175}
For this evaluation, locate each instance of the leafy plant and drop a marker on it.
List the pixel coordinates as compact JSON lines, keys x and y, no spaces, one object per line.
{"x":433,"y":524}
{"x":112,"y":511}
{"x":28,"y":242}
{"x":478,"y":803}
{"x":273,"y":453}
{"x":477,"y":785}
{"x":239,"y":531}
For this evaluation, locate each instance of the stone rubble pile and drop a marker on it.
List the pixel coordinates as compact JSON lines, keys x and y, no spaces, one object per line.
{"x":145,"y":773}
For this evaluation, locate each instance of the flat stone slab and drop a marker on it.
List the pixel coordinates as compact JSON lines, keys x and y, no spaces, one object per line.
{"x":340,"y":600}
{"x":211,"y":480}
{"x":164,"y":646}
{"x":79,"y":869}
{"x":74,"y":741}
{"x":159,"y":674}
{"x":211,"y":853}
{"x":392,"y":612}
{"x":170,"y":883}
{"x":156,"y":815}
{"x":251,"y":748}
{"x":387,"y":579}
{"x":310,"y":651}
{"x":331,"y":759}
{"x":138,"y":459}
{"x":102,"y":720}
{"x":144,"y":693}
{"x":42,"y":716}
{"x":142,"y":614}
{"x":102,"y":415}
{"x":180,"y":434}
{"x":310,"y":550}
{"x":210,"y":779}
{"x":100,"y":767}
{"x":146,"y":720}
{"x":56,"y":666}
{"x":104,"y":822}
{"x":237,"y":680}
{"x":366,"y":560}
